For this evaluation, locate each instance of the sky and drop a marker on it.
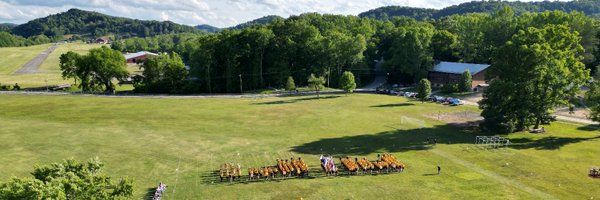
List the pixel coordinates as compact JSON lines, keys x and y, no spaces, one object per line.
{"x":219,"y":13}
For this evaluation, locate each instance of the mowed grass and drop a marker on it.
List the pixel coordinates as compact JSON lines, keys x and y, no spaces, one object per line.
{"x":12,"y":58}
{"x":49,"y":72}
{"x":182,"y":141}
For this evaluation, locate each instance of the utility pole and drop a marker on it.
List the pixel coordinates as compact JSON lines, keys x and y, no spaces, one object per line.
{"x":241,"y":89}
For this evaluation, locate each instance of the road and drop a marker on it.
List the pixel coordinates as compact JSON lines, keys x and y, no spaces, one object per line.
{"x":380,"y":78}
{"x":33,"y":65}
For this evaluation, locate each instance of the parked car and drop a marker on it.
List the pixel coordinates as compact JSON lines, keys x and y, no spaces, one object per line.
{"x":456,"y":102}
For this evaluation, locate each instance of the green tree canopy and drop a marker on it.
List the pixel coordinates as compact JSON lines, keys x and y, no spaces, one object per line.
{"x":316,"y":83}
{"x":424,"y":89}
{"x":347,"y":82}
{"x":164,"y":73}
{"x":70,"y":179}
{"x":466,"y":81}
{"x":96,"y":70}
{"x":536,"y":71}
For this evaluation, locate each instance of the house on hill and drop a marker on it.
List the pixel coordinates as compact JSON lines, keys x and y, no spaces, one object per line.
{"x":450,"y":72}
{"x":103,"y":40}
{"x":134,"y":58}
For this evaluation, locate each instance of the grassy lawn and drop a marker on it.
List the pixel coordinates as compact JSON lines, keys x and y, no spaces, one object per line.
{"x":49,"y":71}
{"x":182,"y":141}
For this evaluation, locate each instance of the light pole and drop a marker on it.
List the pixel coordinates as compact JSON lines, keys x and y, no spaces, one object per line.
{"x":241,"y":89}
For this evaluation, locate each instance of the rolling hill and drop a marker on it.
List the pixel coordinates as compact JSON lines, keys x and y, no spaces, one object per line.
{"x":589,"y":7}
{"x":81,"y":22}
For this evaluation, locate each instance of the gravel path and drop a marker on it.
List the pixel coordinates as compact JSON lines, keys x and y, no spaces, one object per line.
{"x":33,"y":65}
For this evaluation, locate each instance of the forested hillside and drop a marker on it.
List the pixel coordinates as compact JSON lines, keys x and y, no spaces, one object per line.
{"x":95,"y":24}
{"x":589,"y":7}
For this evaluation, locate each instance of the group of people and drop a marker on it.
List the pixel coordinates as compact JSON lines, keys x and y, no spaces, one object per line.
{"x":159,"y":191}
{"x":230,"y":171}
{"x":328,"y":165}
{"x":297,"y":167}
{"x":595,"y":172}
{"x":386,"y":162}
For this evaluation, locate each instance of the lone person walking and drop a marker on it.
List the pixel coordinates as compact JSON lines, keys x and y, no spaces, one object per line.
{"x":439,"y":169}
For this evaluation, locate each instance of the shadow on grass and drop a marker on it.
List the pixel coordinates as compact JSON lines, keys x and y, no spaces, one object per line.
{"x":547,"y":143}
{"x":591,"y":127}
{"x":434,"y":174}
{"x":416,"y":140}
{"x":393,"y":105}
{"x":297,"y":100}
{"x":392,"y":141}
{"x":150,"y":193}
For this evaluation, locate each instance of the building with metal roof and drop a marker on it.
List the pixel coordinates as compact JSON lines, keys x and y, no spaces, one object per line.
{"x":138,"y":57}
{"x":451,"y":72}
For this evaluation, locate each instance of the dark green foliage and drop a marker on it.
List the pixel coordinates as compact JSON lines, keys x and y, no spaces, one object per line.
{"x":10,"y":40}
{"x":450,"y":88}
{"x":165,"y":73}
{"x":593,"y":99}
{"x":589,"y":7}
{"x":260,"y":21}
{"x":423,"y":89}
{"x":96,"y":70}
{"x":77,"y":21}
{"x":537,"y":70}
{"x":466,"y":82}
{"x":6,"y":27}
{"x":70,"y":179}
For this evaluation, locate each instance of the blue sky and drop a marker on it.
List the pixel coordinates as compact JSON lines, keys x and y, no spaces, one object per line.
{"x":220,"y":13}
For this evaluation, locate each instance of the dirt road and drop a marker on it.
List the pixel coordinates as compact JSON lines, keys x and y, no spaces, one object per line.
{"x":33,"y":65}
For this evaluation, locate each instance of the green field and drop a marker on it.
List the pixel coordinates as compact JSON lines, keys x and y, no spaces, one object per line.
{"x":182,"y":141}
{"x":13,"y":58}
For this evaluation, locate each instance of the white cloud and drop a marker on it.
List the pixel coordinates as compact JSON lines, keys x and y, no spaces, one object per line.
{"x":220,"y":13}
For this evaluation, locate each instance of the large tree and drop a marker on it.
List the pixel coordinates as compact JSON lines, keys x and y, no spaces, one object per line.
{"x":97,"y":70}
{"x":536,"y":71}
{"x":70,"y":179}
{"x":165,"y":73}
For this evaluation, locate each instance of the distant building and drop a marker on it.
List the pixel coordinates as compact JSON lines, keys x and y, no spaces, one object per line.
{"x":450,"y":72}
{"x":138,"y":57}
{"x":103,"y":40}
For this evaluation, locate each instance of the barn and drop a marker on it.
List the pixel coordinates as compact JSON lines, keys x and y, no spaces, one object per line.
{"x":103,"y":40}
{"x":134,"y":58}
{"x":450,"y":72}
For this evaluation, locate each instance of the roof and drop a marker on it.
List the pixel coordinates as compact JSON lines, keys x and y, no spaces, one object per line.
{"x":459,"y":68}
{"x":138,"y":54}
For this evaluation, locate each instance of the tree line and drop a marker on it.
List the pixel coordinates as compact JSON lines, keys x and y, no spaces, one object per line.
{"x":589,"y":7}
{"x":327,"y":45}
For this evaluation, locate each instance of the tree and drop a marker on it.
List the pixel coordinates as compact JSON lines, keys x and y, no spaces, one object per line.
{"x":593,"y":98}
{"x":410,"y":52}
{"x":536,"y":71}
{"x":96,"y":70}
{"x":316,"y":83}
{"x":68,"y":65}
{"x":70,"y":179}
{"x":164,"y":73}
{"x":290,"y":85}
{"x":347,"y":82}
{"x":466,"y":81}
{"x":424,"y":89}
{"x":444,"y":46}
